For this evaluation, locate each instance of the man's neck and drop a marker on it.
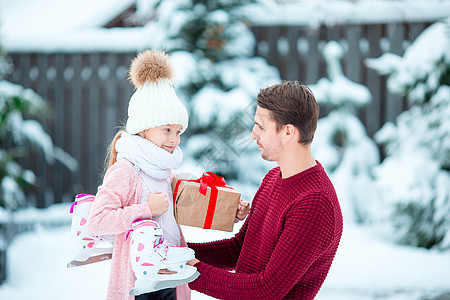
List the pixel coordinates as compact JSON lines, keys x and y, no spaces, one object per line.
{"x":295,"y":161}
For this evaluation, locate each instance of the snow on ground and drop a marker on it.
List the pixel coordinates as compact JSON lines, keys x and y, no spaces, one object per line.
{"x":366,"y":267}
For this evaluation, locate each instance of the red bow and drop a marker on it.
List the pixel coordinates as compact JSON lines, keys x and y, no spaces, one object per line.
{"x":210,"y":179}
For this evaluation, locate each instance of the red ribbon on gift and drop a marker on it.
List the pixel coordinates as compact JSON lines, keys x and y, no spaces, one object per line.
{"x":208,"y":179}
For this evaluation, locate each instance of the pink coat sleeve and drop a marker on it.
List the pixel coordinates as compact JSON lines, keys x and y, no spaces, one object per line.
{"x":183,"y":291}
{"x":116,"y":204}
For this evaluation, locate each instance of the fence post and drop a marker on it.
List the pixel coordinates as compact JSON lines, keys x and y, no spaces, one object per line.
{"x":394,"y":103}
{"x":293,"y":56}
{"x":3,"y":247}
{"x":374,"y":110}
{"x":6,"y":234}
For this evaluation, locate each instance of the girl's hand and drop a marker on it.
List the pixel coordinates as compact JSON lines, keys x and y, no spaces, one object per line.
{"x":242,"y":211}
{"x":158,"y":204}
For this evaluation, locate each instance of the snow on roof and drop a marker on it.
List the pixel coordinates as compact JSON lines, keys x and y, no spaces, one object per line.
{"x":316,"y":13}
{"x":66,"y":25}
{"x":77,"y":25}
{"x":58,"y":16}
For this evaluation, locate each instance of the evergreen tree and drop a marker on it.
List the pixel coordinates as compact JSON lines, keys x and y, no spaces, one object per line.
{"x":414,"y":178}
{"x":341,"y":143}
{"x":211,"y":49}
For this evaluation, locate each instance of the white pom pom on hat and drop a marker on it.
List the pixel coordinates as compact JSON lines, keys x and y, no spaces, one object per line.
{"x":154,"y":103}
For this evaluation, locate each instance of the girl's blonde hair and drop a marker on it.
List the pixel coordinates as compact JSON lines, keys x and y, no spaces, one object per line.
{"x":111,"y":154}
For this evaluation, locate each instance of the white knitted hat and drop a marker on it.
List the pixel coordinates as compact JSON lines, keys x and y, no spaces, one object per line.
{"x":154,"y":103}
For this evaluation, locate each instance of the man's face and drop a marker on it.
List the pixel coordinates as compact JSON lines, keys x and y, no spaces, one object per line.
{"x":264,"y":132}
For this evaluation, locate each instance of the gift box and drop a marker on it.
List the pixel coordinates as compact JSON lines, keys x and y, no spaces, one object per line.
{"x":207,"y":202}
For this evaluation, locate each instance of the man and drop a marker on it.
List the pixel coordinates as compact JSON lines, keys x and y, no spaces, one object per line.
{"x":287,"y":244}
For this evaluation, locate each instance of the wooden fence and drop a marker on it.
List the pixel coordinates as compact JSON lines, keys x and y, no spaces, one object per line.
{"x":89,"y":92}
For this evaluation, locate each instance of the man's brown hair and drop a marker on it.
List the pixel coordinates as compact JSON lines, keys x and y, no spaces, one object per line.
{"x":291,"y":103}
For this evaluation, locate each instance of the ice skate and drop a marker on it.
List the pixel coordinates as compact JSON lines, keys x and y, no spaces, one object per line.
{"x":90,"y":249}
{"x":150,"y":253}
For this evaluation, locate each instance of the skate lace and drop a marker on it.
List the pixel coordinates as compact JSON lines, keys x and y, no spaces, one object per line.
{"x":163,"y":248}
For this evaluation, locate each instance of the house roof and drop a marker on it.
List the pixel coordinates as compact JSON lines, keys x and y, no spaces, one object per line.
{"x":66,"y":25}
{"x":332,"y":12}
{"x":80,"y":25}
{"x":58,"y":15}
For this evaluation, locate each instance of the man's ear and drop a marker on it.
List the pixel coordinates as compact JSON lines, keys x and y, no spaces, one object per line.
{"x":290,"y":132}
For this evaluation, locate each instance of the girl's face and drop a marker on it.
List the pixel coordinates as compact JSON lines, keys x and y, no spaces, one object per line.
{"x":166,"y":136}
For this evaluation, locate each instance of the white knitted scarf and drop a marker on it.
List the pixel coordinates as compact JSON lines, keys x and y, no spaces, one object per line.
{"x":148,"y":157}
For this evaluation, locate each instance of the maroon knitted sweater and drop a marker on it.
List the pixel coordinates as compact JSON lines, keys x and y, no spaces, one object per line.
{"x":285,"y":247}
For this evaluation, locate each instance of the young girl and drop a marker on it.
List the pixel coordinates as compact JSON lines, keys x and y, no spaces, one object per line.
{"x":137,"y":186}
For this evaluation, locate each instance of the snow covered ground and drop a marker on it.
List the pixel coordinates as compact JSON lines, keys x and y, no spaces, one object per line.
{"x":367,"y":266}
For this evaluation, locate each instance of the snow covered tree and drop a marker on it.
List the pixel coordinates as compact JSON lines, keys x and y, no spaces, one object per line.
{"x":211,"y":49}
{"x":20,"y":133}
{"x":413,"y":181}
{"x":341,"y":143}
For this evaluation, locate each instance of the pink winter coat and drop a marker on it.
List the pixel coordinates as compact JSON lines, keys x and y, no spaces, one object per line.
{"x":115,"y":207}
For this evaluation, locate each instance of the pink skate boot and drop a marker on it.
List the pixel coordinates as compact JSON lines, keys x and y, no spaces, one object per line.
{"x":150,"y":253}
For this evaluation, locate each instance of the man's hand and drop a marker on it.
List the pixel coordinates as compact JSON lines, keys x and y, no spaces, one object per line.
{"x":192,"y":262}
{"x":242,"y":211}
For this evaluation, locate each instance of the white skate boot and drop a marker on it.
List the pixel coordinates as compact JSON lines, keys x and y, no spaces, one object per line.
{"x":150,"y":253}
{"x":90,"y":248}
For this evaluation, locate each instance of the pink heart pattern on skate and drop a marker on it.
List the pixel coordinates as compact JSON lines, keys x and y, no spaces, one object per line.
{"x":90,"y":244}
{"x":147,"y":265}
{"x":83,"y":221}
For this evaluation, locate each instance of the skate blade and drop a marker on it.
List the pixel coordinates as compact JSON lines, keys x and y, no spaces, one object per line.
{"x":90,"y":260}
{"x":173,"y":283}
{"x":164,"y":285}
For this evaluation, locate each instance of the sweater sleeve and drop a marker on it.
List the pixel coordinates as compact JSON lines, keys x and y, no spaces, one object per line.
{"x":224,"y":253}
{"x":112,"y":211}
{"x":307,"y":233}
